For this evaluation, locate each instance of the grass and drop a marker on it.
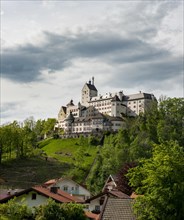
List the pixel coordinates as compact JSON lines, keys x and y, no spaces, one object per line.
{"x":64,"y":150}
{"x":24,"y":173}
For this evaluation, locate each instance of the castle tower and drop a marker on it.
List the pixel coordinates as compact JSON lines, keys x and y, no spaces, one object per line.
{"x":89,"y":90}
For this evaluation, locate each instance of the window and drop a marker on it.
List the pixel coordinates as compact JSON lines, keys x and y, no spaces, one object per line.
{"x":33,"y":196}
{"x":97,"y":208}
{"x":65,"y":188}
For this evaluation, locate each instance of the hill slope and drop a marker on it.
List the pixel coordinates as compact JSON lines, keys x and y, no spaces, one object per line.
{"x":60,"y":158}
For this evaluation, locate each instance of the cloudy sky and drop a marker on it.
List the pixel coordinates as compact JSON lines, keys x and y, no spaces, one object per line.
{"x":49,"y":49}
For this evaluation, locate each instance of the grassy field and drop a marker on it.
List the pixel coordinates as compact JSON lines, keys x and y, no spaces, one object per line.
{"x":64,"y":150}
{"x":61,"y":156}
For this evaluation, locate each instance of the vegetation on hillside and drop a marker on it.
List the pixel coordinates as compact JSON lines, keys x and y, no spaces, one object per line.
{"x":144,"y":142}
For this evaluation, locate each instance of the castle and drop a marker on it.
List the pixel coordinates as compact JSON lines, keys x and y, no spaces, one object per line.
{"x":100,"y":113}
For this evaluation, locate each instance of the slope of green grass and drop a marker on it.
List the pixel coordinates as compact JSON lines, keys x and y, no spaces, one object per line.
{"x":65,"y":150}
{"x":65,"y":157}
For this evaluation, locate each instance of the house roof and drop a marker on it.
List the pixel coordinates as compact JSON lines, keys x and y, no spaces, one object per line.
{"x":4,"y":193}
{"x":50,"y":182}
{"x":63,"y":179}
{"x":91,"y":215}
{"x":112,"y":193}
{"x":91,"y":86}
{"x":117,"y":209}
{"x":139,"y":95}
{"x":63,"y":108}
{"x":115,"y":99}
{"x":59,"y":196}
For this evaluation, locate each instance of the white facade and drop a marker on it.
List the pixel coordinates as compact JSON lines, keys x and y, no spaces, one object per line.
{"x":32,"y":199}
{"x":83,"y":117}
{"x":73,"y":188}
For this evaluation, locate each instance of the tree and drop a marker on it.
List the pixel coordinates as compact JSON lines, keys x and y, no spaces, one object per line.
{"x":73,"y":211}
{"x":171,"y":124}
{"x":13,"y":210}
{"x":49,"y":211}
{"x":160,"y":180}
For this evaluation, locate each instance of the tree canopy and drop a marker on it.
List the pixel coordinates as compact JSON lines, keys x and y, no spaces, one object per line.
{"x":160,"y":180}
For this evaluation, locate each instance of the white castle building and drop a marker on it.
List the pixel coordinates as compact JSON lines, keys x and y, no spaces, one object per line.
{"x":96,"y":112}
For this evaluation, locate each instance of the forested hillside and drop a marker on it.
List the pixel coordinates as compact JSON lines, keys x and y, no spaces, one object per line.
{"x":153,"y":142}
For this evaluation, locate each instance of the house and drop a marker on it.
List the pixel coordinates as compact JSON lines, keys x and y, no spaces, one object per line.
{"x":4,"y":193}
{"x":38,"y":195}
{"x":69,"y":186}
{"x":111,"y":183}
{"x":95,"y":203}
{"x":117,"y":209}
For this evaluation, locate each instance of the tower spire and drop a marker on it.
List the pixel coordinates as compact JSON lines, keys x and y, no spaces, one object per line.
{"x":93,"y":80}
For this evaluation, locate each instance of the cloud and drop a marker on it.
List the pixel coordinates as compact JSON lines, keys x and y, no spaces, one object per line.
{"x":26,"y":63}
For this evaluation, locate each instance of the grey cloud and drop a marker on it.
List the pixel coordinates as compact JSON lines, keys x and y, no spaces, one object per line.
{"x":8,"y":108}
{"x":154,"y":74}
{"x":25,"y":63}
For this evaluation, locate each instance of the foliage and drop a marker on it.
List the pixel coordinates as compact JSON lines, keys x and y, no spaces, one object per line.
{"x":18,"y":140}
{"x":49,"y":211}
{"x":160,"y":123}
{"x":73,"y":211}
{"x":15,"y":211}
{"x":161,"y":180}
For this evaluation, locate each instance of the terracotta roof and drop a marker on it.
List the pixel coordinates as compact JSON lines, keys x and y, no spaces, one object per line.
{"x":117,"y":209}
{"x":91,"y":215}
{"x":50,"y":182}
{"x":60,"y":196}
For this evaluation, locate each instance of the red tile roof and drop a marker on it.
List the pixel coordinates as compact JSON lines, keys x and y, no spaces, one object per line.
{"x":91,"y":215}
{"x":50,"y":182}
{"x":60,"y":196}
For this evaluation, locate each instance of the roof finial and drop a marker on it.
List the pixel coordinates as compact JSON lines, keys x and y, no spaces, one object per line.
{"x":93,"y":80}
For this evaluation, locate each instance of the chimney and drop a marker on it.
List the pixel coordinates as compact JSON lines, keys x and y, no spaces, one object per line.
{"x":93,"y":80}
{"x":54,"y":189}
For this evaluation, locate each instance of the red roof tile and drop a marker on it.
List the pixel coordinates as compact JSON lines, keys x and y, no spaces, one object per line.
{"x":91,"y":215}
{"x":60,"y":196}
